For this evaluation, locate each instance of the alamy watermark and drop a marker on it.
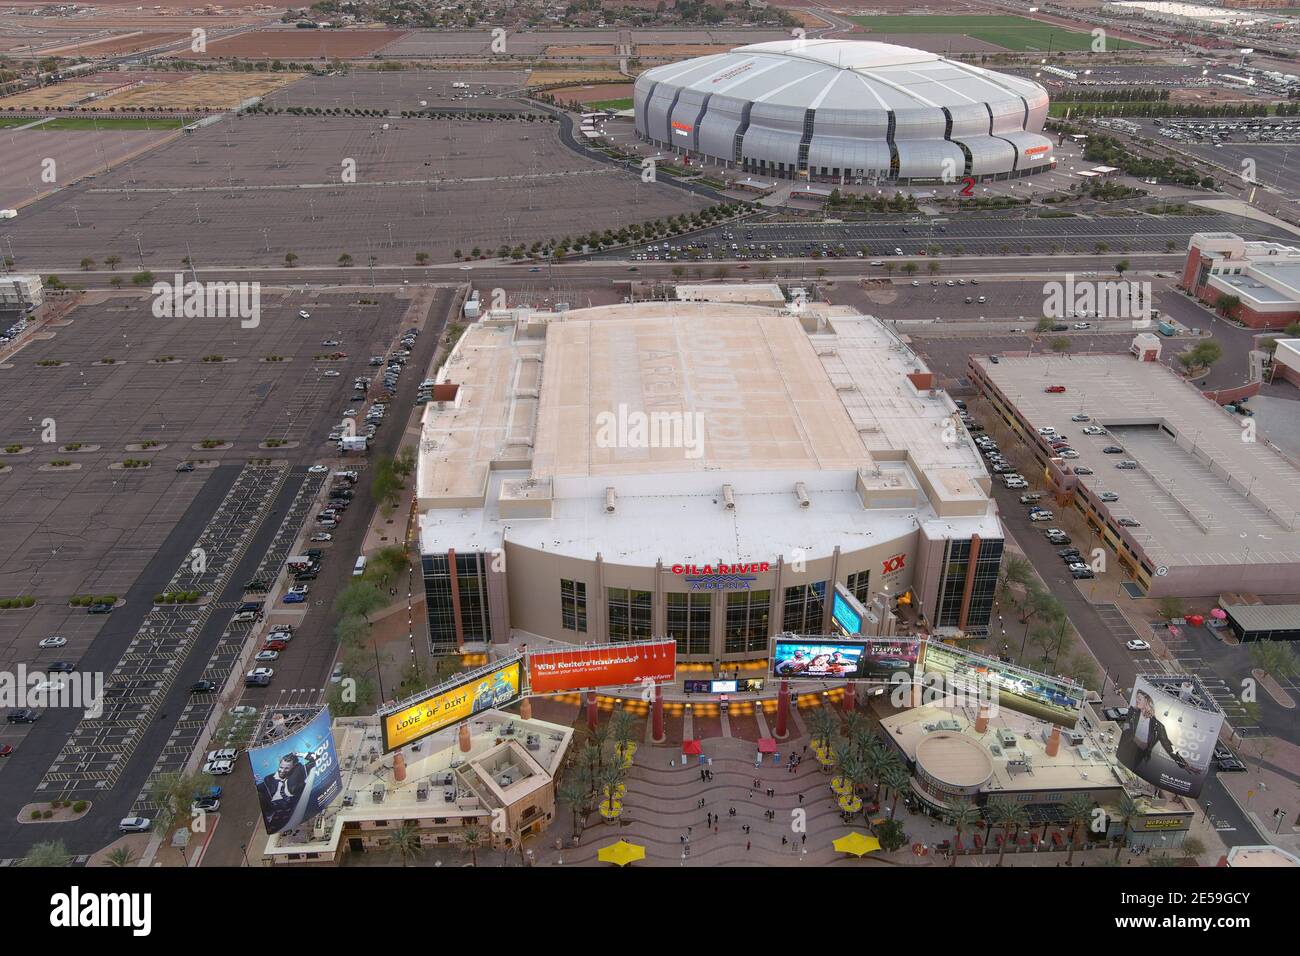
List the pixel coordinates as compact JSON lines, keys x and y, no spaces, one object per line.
{"x":1106,"y":299}
{"x":208,"y":300}
{"x":23,"y":689}
{"x":636,"y":429}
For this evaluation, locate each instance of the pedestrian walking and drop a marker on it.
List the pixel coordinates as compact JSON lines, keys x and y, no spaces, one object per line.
{"x":803,"y":838}
{"x":731,"y":812}
{"x":801,"y":798}
{"x":784,"y":841}
{"x":805,"y":749}
{"x":746,"y":846}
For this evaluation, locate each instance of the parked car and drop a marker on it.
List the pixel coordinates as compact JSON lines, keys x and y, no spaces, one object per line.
{"x":322,"y":536}
{"x":294,"y":597}
{"x":1136,"y":645}
{"x":1112,"y":450}
{"x":1081,"y":573}
{"x":100,"y":609}
{"x":55,"y":641}
{"x":1041,"y":516}
{"x":219,"y":768}
{"x":1127,"y":464}
{"x":1054,"y":389}
{"x":1130,"y":523}
{"x":1030,"y":498}
{"x":1080,"y":418}
{"x":273,"y":645}
{"x":24,"y":715}
{"x":265,"y":656}
{"x":203,"y":687}
{"x":1108,"y":496}
{"x":206,"y":805}
{"x":267,"y":672}
{"x":134,"y":825}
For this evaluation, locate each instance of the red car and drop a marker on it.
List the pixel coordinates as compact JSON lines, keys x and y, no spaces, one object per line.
{"x":1054,"y":389}
{"x":275,"y":646}
{"x":6,"y":750}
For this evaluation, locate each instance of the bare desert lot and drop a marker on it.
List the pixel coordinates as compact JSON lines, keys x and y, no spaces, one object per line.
{"x":299,"y":44}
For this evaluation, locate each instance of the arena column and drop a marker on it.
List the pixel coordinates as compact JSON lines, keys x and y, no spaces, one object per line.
{"x":783,"y":711}
{"x":592,"y":711}
{"x":658,"y":712}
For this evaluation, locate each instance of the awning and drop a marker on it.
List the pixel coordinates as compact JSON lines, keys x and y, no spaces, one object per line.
{"x":691,"y":747}
{"x":766,"y":745}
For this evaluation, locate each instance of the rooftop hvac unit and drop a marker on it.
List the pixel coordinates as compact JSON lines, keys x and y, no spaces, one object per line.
{"x":609,"y":501}
{"x":506,"y":779}
{"x":801,"y":492}
{"x":377,"y":794}
{"x":728,"y":498}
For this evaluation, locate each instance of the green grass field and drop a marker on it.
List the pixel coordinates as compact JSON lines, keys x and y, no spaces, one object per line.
{"x":623,"y":104}
{"x":111,"y":123}
{"x":1013,"y":33}
{"x":8,"y":122}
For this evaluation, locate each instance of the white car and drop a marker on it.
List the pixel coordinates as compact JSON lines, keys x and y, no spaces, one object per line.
{"x":336,"y":676}
{"x":53,"y":642}
{"x":1138,"y":646}
{"x":304,"y":314}
{"x":300,"y":589}
{"x":1068,"y":453}
{"x":256,"y":672}
{"x":322,"y":536}
{"x":284,"y":631}
{"x":329,"y":343}
{"x":1041,"y":516}
{"x":266,"y":656}
{"x":219,"y":768}
{"x":243,"y":710}
{"x":1080,"y":418}
{"x":227,"y":753}
{"x":318,"y":469}
{"x":134,"y":825}
{"x":331,"y":373}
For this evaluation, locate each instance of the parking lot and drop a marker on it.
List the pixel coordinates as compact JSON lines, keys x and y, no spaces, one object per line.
{"x":250,"y":190}
{"x":946,"y":354}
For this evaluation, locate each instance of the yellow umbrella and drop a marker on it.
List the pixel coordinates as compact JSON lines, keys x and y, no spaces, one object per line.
{"x":857,"y":844}
{"x":850,"y":803}
{"x":621,"y":853}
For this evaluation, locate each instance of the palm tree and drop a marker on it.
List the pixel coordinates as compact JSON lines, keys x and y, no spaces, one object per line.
{"x":1003,"y":813}
{"x":574,"y":791}
{"x":121,"y":857}
{"x":609,"y":780}
{"x":49,"y":854}
{"x":405,"y":842}
{"x":1127,"y":810}
{"x":1078,"y":810}
{"x":823,"y":726}
{"x":963,"y":818}
{"x":173,"y":794}
{"x":897,"y":779}
{"x":623,"y":730}
{"x":471,"y":838}
{"x":876,"y":763}
{"x":855,"y":729}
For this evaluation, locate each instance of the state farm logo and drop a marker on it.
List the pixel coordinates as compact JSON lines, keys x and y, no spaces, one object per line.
{"x":895,"y":563}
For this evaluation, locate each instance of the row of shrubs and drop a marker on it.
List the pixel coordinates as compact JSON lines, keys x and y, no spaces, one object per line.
{"x":79,"y":807}
{"x":176,"y":597}
{"x":86,"y":600}
{"x":135,"y":463}
{"x":19,"y":602}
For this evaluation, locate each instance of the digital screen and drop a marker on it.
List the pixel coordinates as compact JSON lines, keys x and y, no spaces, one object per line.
{"x":440,"y":708}
{"x":877,"y":659}
{"x":846,"y":617}
{"x":1015,"y":688}
{"x":750,"y":685}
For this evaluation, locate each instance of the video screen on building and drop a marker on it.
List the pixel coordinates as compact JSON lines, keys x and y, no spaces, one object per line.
{"x":750,"y":685}
{"x":1166,"y":740}
{"x":846,"y":613}
{"x":1016,"y":688}
{"x":451,"y":703}
{"x":297,"y":777}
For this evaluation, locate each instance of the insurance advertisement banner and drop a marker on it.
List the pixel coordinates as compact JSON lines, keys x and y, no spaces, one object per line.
{"x":1015,"y":688}
{"x":1167,"y":741}
{"x":603,"y":665}
{"x":833,"y":659}
{"x":450,"y":703}
{"x":297,"y":777}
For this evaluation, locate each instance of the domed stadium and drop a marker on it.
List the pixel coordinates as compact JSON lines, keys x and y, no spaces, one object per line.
{"x":846,"y":111}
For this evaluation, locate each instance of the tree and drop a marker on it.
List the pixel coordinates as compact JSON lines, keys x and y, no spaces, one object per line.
{"x":897,"y":779}
{"x":891,"y":835}
{"x":966,"y":815}
{"x":471,"y":838}
{"x":1121,"y":267}
{"x":1060,"y":344}
{"x":50,"y":854}
{"x":623,"y":730}
{"x":1227,"y":303}
{"x":290,"y":258}
{"x":345,"y":260}
{"x":1007,"y":815}
{"x":1170,"y":607}
{"x":121,"y":857}
{"x":1044,"y":325}
{"x":1193,"y":847}
{"x":112,"y":261}
{"x":822,"y":724}
{"x":421,"y":258}
{"x":87,"y":264}
{"x":1078,"y":811}
{"x":934,"y":266}
{"x":359,"y":598}
{"x":1127,"y":809}
{"x":1275,"y":658}
{"x":1017,"y":570}
{"x":1206,"y":353}
{"x":910,"y":268}
{"x":405,"y":843}
{"x":574,"y":791}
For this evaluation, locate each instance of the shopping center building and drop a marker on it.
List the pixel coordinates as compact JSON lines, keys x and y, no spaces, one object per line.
{"x":706,"y":471}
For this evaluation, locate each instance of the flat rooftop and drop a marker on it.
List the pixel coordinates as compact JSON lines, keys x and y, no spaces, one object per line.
{"x":755,"y":398}
{"x":1088,"y":766}
{"x":1202,"y":495}
{"x":490,"y":775}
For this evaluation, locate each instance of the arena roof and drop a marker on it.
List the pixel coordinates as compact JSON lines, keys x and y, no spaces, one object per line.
{"x":844,"y":74}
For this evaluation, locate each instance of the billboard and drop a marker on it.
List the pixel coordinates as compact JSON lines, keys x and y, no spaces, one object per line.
{"x":747,"y":685}
{"x":450,"y":703}
{"x":846,"y":612}
{"x":602,"y":665}
{"x":297,"y":777}
{"x":1017,"y":688}
{"x":1166,"y":740}
{"x":833,"y":659}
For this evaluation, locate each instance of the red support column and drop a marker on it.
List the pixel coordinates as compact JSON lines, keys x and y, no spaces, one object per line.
{"x":592,"y":711}
{"x":783,"y":711}
{"x":658,"y":711}
{"x":850,"y":698}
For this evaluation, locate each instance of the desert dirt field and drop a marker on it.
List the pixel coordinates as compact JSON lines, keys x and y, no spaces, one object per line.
{"x":372,"y":89}
{"x":202,"y":91}
{"x":590,"y":49}
{"x":549,"y":77}
{"x":124,"y":43}
{"x":300,"y":44}
{"x":595,"y":94}
{"x":46,"y":97}
{"x":681,"y":49}
{"x":75,"y":153}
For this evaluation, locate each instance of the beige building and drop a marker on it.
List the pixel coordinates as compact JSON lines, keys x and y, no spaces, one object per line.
{"x":502,"y":783}
{"x":704,"y":470}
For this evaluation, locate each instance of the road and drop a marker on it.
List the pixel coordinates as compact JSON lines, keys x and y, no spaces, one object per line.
{"x":302,"y":672}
